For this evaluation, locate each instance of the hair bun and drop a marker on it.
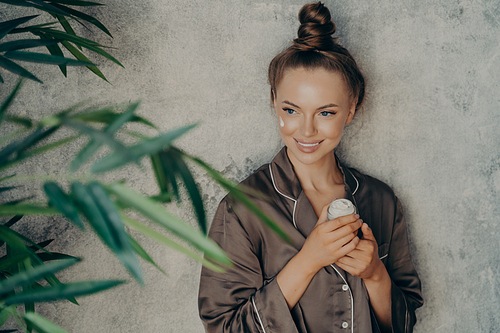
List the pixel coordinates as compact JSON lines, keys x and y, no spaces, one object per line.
{"x":316,"y":28}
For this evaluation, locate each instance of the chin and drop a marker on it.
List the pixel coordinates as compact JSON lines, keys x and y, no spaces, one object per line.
{"x":309,"y":158}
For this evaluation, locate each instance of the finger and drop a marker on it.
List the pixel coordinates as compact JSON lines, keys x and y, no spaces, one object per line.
{"x":347,"y":261}
{"x":339,"y":222}
{"x":348,"y":268}
{"x":347,"y":245}
{"x":346,"y":230}
{"x":323,"y":216}
{"x":367,"y":232}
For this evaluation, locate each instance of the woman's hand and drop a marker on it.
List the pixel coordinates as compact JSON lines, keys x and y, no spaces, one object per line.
{"x":331,"y":240}
{"x":363,"y":261}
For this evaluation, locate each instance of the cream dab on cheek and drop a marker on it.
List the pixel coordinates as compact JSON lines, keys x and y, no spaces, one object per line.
{"x":282,"y":123}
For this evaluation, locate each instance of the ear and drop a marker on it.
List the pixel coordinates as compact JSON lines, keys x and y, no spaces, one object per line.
{"x":352,"y":111}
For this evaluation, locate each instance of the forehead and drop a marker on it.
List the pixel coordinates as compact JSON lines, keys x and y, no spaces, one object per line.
{"x":310,"y":85}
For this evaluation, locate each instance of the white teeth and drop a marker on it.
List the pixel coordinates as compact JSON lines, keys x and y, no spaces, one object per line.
{"x":308,"y":144}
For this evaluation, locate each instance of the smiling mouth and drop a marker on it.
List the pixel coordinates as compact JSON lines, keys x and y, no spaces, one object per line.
{"x":308,"y":144}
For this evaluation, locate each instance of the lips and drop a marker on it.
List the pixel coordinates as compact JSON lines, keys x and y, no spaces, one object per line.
{"x":308,"y":146}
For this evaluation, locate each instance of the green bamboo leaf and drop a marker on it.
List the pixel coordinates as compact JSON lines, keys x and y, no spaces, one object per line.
{"x":65,"y":24}
{"x":102,"y":136}
{"x":95,"y":143}
{"x":42,"y":324}
{"x":170,"y":171}
{"x":58,"y":34}
{"x":42,"y":244}
{"x":24,"y":238}
{"x":56,"y":51}
{"x":12,"y":221}
{"x":28,"y":306}
{"x":12,"y":135}
{"x":13,"y":240}
{"x":42,"y":58}
{"x":62,"y":291}
{"x":18,"y":147}
{"x":240,"y":196}
{"x":61,"y":201}
{"x":139,"y":250}
{"x":86,"y":43}
{"x":5,"y":314}
{"x":50,"y":278}
{"x":159,"y":215}
{"x":16,"y":69}
{"x":39,"y":150}
{"x":77,"y":2}
{"x":7,"y":177}
{"x":136,"y":134}
{"x":53,"y":256}
{"x":108,"y":115}
{"x":6,"y":103}
{"x":29,"y":276}
{"x":8,"y":26}
{"x":27,"y":209}
{"x":159,"y":174}
{"x":164,"y":240}
{"x":83,"y":16}
{"x":121,"y":243}
{"x":26,"y":122}
{"x":80,"y":56}
{"x":8,"y":261}
{"x":48,"y":7}
{"x":88,"y":206}
{"x":26,"y":44}
{"x":146,"y":147}
{"x":192,"y":188}
{"x":7,"y":188}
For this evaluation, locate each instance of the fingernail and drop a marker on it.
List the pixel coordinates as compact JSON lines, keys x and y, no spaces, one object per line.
{"x":356,"y":216}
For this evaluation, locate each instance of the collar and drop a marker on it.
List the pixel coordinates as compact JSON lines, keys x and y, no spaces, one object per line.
{"x":285,"y":180}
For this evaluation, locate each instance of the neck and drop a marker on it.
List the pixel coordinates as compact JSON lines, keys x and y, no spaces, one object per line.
{"x":319,"y":176}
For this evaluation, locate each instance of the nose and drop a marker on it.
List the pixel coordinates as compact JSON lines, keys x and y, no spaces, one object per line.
{"x":308,"y":127}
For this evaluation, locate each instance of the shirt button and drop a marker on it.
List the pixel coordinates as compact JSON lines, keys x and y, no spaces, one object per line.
{"x":345,"y":324}
{"x":345,"y":287}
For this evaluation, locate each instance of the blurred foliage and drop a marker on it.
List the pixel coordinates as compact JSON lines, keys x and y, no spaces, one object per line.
{"x":49,"y":36}
{"x":27,"y":269}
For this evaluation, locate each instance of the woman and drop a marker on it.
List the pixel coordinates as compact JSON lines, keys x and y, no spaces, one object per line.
{"x":350,"y":274}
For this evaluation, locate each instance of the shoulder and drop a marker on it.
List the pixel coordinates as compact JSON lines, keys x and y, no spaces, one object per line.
{"x":372,"y":185}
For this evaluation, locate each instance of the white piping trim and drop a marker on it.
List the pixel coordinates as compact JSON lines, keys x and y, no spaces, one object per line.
{"x":286,"y":196}
{"x":258,"y":316}
{"x":384,"y":256}
{"x":293,"y":219}
{"x":351,"y":298}
{"x":357,"y":183}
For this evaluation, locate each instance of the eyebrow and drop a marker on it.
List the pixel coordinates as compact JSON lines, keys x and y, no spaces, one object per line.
{"x":331,"y":105}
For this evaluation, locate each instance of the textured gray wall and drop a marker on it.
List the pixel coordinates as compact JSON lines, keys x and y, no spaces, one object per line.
{"x":429,"y":128}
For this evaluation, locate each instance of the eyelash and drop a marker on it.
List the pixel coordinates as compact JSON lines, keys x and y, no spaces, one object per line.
{"x":323,"y":113}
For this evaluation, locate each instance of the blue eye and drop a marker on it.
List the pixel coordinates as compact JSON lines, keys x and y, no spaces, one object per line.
{"x":289,"y":111}
{"x":326,"y":113}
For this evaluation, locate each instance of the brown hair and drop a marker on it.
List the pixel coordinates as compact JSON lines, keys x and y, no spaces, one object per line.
{"x":316,"y":48}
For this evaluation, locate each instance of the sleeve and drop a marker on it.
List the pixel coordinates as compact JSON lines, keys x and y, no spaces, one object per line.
{"x":406,"y":294}
{"x":239,"y":299}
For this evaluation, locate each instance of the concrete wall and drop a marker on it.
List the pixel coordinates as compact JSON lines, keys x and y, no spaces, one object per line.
{"x":429,"y":128}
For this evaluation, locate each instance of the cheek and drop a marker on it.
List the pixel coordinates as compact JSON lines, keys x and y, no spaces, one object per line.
{"x":331,"y":130}
{"x":287,"y":126}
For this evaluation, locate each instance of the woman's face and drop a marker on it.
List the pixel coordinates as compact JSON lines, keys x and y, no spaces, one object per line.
{"x":312,"y":107}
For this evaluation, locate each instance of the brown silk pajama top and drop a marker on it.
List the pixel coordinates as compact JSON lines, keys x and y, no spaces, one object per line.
{"x":247,"y":298}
